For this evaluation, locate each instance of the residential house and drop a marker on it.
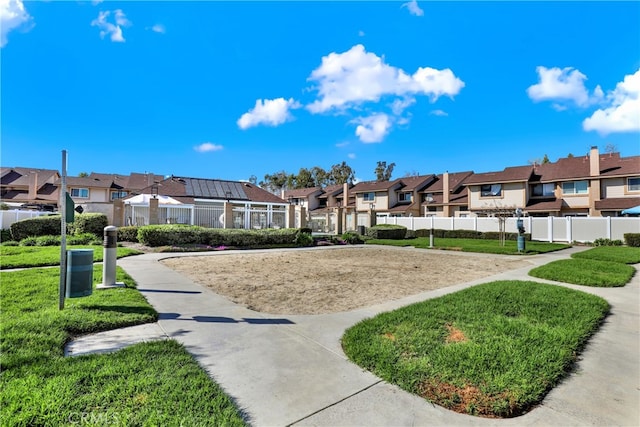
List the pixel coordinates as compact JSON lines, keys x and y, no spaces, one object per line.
{"x":446,"y":195}
{"x":400,"y":197}
{"x":592,"y":185}
{"x":96,"y":192}
{"x":498,"y":190}
{"x":206,"y":202}
{"x":305,"y":197}
{"x":29,"y":188}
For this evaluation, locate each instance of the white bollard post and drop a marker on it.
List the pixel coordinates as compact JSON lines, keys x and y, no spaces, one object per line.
{"x":109,"y":259}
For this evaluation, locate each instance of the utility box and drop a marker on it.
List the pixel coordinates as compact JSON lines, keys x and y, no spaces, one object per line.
{"x":79,"y":273}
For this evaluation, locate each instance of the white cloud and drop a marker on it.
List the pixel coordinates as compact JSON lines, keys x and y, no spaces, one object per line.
{"x":114,"y":30}
{"x":348,"y":79}
{"x":95,"y":2}
{"x":399,"y":105}
{"x":271,"y":112}
{"x":158,"y":28}
{"x":413,"y":7}
{"x":13,"y":15}
{"x":373,"y":128}
{"x":207,"y":146}
{"x":361,"y":33}
{"x":342,"y":144}
{"x":439,"y":113}
{"x":566,"y":84}
{"x":622,"y":111}
{"x":351,"y":155}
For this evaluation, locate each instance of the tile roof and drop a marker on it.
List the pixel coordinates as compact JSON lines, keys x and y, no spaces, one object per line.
{"x":572,"y":168}
{"x":301,"y":192}
{"x":456,"y":180}
{"x":544,"y":205}
{"x":410,"y":183}
{"x":459,"y":198}
{"x":366,"y":186}
{"x":404,"y":207}
{"x":19,"y":176}
{"x":510,"y":174}
{"x":618,"y":203}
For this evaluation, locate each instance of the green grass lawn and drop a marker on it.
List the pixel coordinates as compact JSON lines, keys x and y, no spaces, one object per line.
{"x":474,"y":245}
{"x":42,"y":256}
{"x":602,"y":266}
{"x":622,"y":254}
{"x":491,"y":350}
{"x":146,"y":384}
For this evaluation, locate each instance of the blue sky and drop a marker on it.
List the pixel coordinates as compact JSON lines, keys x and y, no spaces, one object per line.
{"x":233,"y":89}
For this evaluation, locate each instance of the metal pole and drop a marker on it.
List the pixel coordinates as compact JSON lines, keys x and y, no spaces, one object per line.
{"x":63,"y":231}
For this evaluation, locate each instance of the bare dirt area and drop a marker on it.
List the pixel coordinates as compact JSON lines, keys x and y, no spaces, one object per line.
{"x":334,"y":280}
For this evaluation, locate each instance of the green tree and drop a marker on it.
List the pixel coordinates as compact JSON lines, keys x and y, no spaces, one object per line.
{"x":384,"y":171}
{"x":276,"y":182}
{"x":341,"y":173}
{"x":83,"y":175}
{"x":304,"y":179}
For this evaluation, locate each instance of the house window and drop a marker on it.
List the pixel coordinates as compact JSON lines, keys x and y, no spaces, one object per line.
{"x":542,"y":190}
{"x":369,"y":197}
{"x":404,"y":197}
{"x":575,"y":187}
{"x":118,"y":195}
{"x":81,"y":193}
{"x":491,"y":190}
{"x":633,"y":184}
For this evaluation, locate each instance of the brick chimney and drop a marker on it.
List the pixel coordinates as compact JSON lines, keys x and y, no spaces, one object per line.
{"x":33,"y":186}
{"x":594,"y":162}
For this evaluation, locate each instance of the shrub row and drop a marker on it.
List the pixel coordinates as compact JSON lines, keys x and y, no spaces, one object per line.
{"x":387,"y":231}
{"x":50,"y":226}
{"x":607,"y":242}
{"x":128,"y":234}
{"x":632,"y":239}
{"x":78,"y":239}
{"x":467,"y":234}
{"x":177,"y":235}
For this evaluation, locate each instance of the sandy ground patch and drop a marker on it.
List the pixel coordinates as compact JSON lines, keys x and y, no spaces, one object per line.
{"x":334,"y":280}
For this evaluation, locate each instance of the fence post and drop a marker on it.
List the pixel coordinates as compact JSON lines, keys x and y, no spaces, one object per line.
{"x":475,"y":223}
{"x":412,"y":226}
{"x":550,"y":228}
{"x":569,"y":230}
{"x":453,"y":224}
{"x":608,"y":227}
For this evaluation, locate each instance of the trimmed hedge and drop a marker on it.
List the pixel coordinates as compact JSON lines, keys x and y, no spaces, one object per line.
{"x":632,"y":239}
{"x":387,"y":231}
{"x":128,"y":234}
{"x":90,"y":223}
{"x":177,"y":235}
{"x":93,"y":223}
{"x":5,"y":235}
{"x":34,"y":227}
{"x":467,"y":234}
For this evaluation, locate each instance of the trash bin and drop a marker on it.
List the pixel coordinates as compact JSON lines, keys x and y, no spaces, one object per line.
{"x":79,"y":273}
{"x":521,"y":244}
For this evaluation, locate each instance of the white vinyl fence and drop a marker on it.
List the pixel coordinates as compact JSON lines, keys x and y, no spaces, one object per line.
{"x":14,"y":215}
{"x":550,"y":229}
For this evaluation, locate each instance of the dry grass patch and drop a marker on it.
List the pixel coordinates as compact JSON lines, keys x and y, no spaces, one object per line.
{"x":337,"y":279}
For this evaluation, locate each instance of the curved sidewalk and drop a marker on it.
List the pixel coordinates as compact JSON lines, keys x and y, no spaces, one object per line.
{"x":290,"y":370}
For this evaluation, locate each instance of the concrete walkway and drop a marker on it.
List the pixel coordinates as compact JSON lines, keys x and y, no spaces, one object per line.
{"x":290,"y":370}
